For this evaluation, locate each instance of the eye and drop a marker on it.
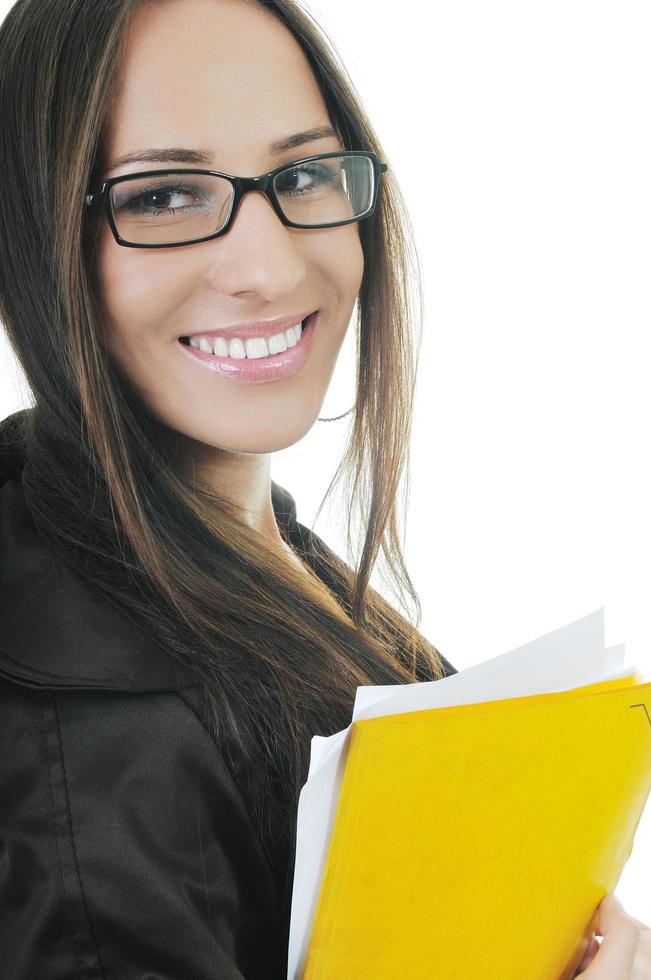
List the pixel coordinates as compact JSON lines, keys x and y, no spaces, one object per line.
{"x":307,"y":178}
{"x":155,"y":199}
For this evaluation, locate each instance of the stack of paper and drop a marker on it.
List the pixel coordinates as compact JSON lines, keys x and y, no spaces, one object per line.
{"x":469,"y":827}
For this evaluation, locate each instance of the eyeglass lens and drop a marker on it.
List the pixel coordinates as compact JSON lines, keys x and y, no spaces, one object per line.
{"x":178,"y":207}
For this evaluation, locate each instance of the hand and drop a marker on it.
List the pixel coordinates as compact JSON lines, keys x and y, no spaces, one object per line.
{"x":625,"y":951}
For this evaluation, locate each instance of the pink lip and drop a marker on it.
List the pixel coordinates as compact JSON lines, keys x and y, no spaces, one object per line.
{"x":258,"y":328}
{"x":260,"y":369}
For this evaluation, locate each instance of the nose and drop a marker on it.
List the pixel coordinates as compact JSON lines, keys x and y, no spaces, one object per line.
{"x":258,"y":253}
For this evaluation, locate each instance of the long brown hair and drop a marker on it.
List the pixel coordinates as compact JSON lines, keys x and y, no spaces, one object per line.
{"x":278,"y":654}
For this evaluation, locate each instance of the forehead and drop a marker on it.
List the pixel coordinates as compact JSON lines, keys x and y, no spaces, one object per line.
{"x":222,"y":73}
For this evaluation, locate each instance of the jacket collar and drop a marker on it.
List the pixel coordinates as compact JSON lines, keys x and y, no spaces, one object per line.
{"x":58,"y":633}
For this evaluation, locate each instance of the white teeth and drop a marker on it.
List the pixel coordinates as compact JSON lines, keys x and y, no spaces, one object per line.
{"x":253,"y":347}
{"x":236,"y":348}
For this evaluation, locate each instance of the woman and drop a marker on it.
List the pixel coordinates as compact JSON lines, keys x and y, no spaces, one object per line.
{"x":173,"y":636}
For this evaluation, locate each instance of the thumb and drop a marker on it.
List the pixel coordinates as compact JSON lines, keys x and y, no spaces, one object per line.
{"x":620,"y":939}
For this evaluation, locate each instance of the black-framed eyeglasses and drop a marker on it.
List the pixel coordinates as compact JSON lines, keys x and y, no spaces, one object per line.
{"x":320,"y":191}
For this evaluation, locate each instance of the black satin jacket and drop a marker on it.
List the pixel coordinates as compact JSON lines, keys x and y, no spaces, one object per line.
{"x":126,"y":847}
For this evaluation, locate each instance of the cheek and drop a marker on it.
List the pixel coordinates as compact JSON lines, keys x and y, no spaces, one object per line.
{"x":343,"y":262}
{"x":136,"y":292}
{"x":353,"y":255}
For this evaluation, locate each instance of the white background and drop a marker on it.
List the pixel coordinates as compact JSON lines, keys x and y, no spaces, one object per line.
{"x":519,"y":134}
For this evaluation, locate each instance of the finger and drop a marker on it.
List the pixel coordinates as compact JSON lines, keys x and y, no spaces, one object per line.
{"x":642,"y":967}
{"x":618,"y":902}
{"x":589,"y":955}
{"x":621,"y":935}
{"x":643,"y":926}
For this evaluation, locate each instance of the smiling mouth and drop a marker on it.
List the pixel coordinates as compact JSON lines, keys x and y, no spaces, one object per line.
{"x":250,"y":348}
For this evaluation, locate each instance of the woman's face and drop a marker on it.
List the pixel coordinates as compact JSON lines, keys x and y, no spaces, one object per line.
{"x":226,"y":78}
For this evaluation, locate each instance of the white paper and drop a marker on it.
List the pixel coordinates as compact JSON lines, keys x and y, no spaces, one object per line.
{"x":569,"y":657}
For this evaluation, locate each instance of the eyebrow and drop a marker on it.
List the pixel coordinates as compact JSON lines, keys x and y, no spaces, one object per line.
{"x":180,"y":155}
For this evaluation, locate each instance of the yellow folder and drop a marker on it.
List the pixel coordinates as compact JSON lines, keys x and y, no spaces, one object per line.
{"x":476,"y":841}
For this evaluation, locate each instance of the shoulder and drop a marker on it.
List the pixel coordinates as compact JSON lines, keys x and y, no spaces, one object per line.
{"x":129,"y":845}
{"x":56,"y":630}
